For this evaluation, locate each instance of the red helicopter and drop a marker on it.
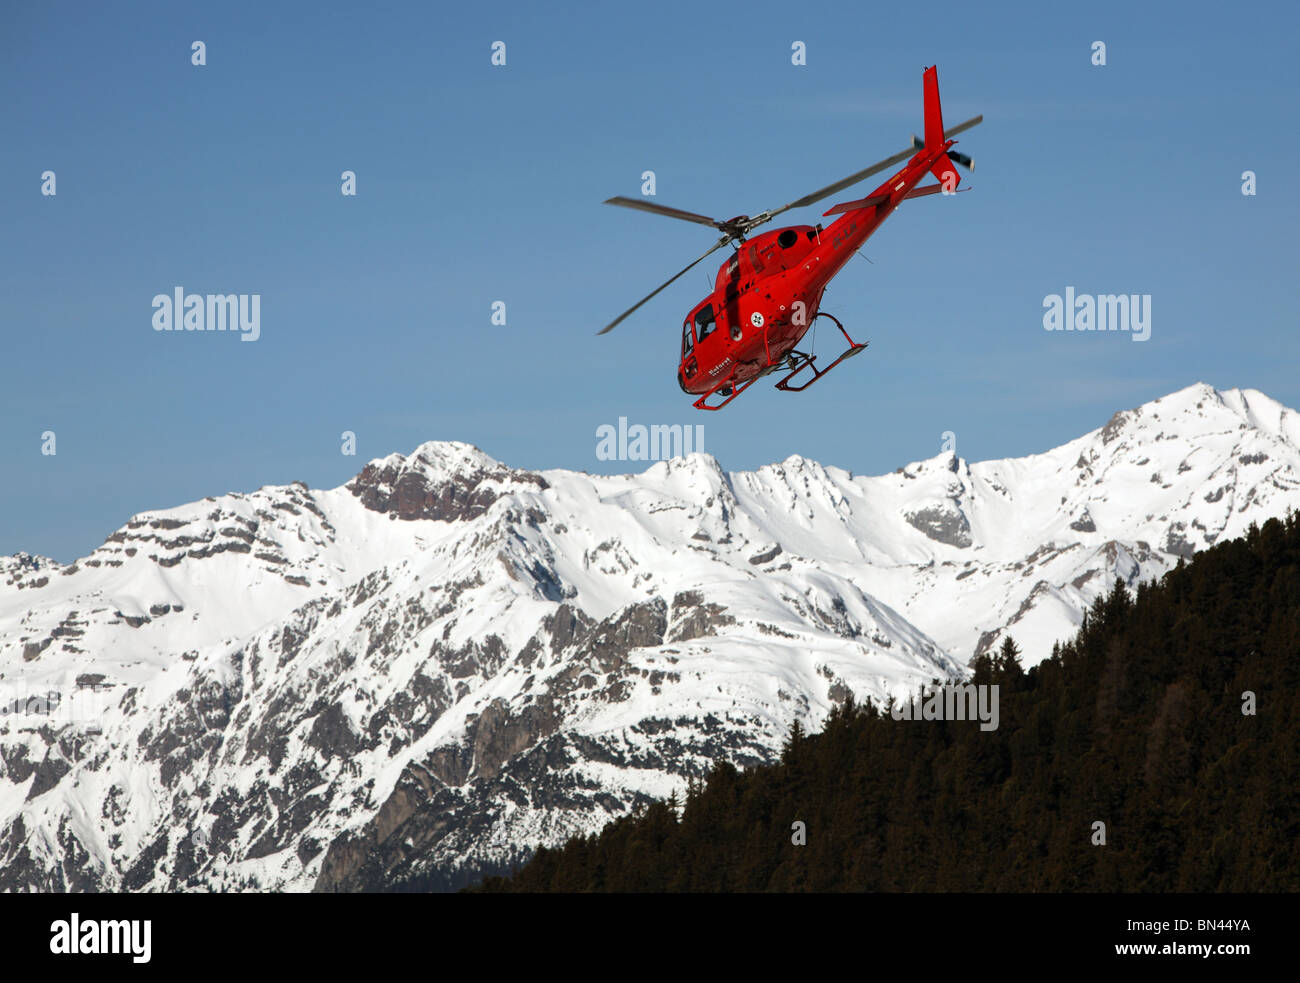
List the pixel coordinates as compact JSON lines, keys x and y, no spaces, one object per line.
{"x":768,"y":293}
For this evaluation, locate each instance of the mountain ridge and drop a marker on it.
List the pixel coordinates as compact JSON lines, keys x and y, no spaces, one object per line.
{"x":446,"y":660}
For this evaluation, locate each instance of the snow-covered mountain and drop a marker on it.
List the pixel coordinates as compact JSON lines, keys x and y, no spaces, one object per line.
{"x":446,"y":661}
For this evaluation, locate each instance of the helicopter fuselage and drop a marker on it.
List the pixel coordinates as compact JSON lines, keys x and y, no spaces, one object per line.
{"x":769,"y":291}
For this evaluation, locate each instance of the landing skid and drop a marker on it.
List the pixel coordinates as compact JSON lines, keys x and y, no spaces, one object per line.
{"x":798,"y":361}
{"x":728,"y":389}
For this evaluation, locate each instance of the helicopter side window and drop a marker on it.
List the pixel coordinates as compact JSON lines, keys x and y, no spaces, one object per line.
{"x":704,"y":322}
{"x":688,"y":340}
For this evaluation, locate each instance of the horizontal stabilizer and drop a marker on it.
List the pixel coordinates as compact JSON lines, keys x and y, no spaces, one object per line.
{"x":874,"y":200}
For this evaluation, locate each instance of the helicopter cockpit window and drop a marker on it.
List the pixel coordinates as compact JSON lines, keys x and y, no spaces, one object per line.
{"x":687,"y":339}
{"x":704,"y":322}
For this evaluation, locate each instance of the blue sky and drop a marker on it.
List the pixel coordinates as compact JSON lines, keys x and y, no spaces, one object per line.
{"x":479,"y":183}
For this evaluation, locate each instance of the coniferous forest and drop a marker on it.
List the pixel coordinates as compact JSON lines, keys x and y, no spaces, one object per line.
{"x":1144,"y":722}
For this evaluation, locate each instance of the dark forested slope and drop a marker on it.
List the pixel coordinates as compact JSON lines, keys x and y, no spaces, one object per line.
{"x":1137,"y":724}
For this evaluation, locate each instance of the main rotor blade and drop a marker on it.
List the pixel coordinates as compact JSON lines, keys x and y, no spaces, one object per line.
{"x":852,"y":179}
{"x":619,"y":320}
{"x":649,"y":206}
{"x":919,"y":144}
{"x":962,"y":127}
{"x":838,"y":186}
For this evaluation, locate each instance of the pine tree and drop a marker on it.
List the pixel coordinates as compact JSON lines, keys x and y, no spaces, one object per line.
{"x":793,"y":739}
{"x":1008,"y":660}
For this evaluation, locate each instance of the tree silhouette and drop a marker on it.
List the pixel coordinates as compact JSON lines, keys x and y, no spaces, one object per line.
{"x":1136,"y":722}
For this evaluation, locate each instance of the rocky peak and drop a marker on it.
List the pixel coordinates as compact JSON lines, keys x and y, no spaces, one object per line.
{"x":444,"y":480}
{"x":27,"y":569}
